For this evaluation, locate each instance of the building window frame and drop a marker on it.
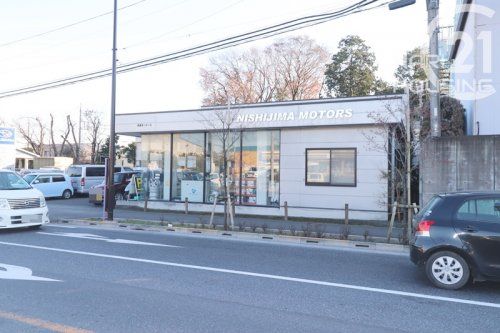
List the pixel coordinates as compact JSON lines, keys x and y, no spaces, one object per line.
{"x":330,"y":183}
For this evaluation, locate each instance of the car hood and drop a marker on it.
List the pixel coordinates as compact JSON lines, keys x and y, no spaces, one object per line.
{"x":20,"y":194}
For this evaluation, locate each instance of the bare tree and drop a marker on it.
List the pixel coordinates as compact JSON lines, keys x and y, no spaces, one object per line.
{"x":69,"y":128}
{"x":288,"y":69}
{"x":55,"y":152}
{"x":224,"y":129}
{"x":93,"y":124}
{"x":75,"y":146}
{"x":64,"y":137}
{"x":299,"y":63}
{"x":33,"y":131}
{"x":397,"y":135}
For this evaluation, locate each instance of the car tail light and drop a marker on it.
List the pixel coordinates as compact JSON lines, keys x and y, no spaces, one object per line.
{"x":424,"y":227}
{"x":82,"y":182}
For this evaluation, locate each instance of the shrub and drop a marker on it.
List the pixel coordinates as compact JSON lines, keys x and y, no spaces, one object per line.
{"x":307,"y":230}
{"x":320,"y":230}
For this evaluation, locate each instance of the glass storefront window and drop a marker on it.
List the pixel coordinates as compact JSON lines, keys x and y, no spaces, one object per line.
{"x":260,"y":168}
{"x":155,"y":164}
{"x":214,"y":170}
{"x":187,"y":166}
{"x":191,"y":165}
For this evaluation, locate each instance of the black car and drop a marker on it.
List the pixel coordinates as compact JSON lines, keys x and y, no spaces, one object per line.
{"x":457,"y":238}
{"x":121,"y":180}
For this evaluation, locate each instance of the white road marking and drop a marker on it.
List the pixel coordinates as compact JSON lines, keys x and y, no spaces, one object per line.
{"x":102,"y":238}
{"x":266,"y":276}
{"x":61,"y":226}
{"x":11,"y":272}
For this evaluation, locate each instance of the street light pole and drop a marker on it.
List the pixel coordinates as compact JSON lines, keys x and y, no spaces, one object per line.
{"x":110,"y":196}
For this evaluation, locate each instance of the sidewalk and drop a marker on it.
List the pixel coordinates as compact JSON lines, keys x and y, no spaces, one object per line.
{"x":248,"y":223}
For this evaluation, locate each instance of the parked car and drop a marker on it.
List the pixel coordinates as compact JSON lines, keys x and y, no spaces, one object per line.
{"x":85,"y":176}
{"x":121,"y":180}
{"x":20,"y":204}
{"x":51,"y":184}
{"x":457,"y":239}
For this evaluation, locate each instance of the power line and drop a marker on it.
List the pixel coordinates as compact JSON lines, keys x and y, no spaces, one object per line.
{"x":66,"y":26}
{"x":274,"y":30}
{"x":185,"y":26}
{"x":193,"y":50}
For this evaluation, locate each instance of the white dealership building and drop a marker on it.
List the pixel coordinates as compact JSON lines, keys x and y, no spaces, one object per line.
{"x":313,"y":156}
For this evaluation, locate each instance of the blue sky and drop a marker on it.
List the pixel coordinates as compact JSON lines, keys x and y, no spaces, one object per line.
{"x":153,"y":27}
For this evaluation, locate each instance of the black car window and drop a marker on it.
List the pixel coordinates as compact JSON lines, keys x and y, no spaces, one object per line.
{"x":487,"y":209}
{"x":467,"y":211}
{"x":95,"y":172}
{"x":427,"y":210}
{"x":58,"y":179}
{"x":43,"y":179}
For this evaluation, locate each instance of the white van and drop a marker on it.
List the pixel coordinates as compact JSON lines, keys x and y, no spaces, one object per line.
{"x":52,"y":185}
{"x":85,"y":176}
{"x":20,"y":204}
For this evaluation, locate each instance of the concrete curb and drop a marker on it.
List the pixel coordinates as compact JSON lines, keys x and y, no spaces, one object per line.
{"x":285,"y":239}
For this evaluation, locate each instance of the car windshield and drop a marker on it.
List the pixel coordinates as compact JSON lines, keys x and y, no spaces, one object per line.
{"x":11,"y":181}
{"x":29,"y":178}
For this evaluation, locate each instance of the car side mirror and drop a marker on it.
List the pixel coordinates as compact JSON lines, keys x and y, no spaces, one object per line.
{"x":497,"y":206}
{"x":36,"y":181}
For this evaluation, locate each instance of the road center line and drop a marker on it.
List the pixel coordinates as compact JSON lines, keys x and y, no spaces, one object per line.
{"x":47,"y":325}
{"x":266,"y":276}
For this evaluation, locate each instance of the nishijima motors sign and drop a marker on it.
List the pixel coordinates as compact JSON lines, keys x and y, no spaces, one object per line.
{"x":7,"y":135}
{"x":259,"y":117}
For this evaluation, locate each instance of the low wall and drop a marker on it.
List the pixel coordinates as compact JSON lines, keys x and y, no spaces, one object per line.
{"x":469,"y":163}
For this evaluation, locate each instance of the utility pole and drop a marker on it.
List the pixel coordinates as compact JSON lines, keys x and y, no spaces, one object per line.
{"x":110,"y":195}
{"x":408,"y":153}
{"x":79,"y":135}
{"x":432,"y":20}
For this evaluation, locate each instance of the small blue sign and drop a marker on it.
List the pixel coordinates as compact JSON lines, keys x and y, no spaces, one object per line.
{"x":7,"y":135}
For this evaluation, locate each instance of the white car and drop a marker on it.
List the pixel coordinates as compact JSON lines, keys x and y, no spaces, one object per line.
{"x":52,"y":185}
{"x":20,"y":204}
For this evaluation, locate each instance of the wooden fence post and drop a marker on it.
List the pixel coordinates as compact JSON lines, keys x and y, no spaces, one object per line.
{"x":346,"y":214}
{"x":230,"y":212}
{"x":391,"y":223}
{"x":213,"y":212}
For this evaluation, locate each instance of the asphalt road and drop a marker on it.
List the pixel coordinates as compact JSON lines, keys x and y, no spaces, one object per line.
{"x":137,"y":281}
{"x":79,"y":207}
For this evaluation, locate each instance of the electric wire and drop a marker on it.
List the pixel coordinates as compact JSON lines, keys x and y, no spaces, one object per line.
{"x":66,"y":26}
{"x":274,"y":30}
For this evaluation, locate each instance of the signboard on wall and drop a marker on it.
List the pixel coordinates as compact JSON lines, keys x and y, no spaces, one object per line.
{"x":321,"y":112}
{"x":7,"y":148}
{"x":7,"y":135}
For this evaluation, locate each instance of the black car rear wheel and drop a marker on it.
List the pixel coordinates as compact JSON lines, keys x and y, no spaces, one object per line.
{"x":447,"y":270}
